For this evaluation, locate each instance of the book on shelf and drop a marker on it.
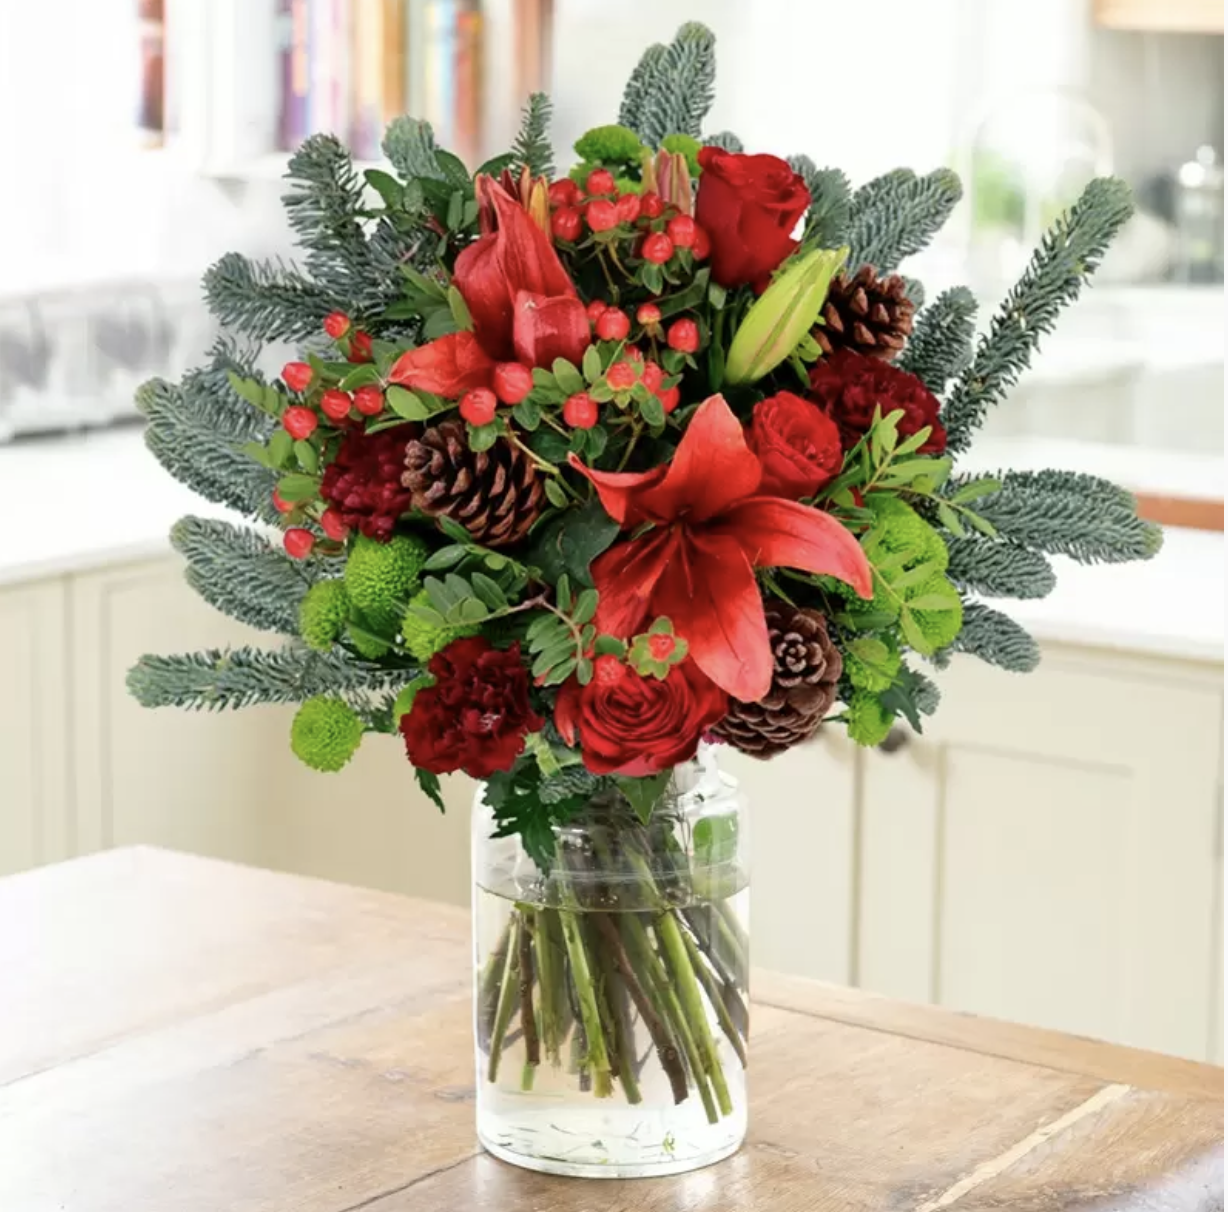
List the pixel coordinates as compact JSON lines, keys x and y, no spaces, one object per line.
{"x":379,"y":71}
{"x":294,"y":61}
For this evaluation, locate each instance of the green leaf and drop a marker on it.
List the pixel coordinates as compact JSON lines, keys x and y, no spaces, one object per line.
{"x":260,"y":453}
{"x":427,"y":615}
{"x":584,"y":672}
{"x":307,"y":455}
{"x":870,"y":650}
{"x":280,"y":448}
{"x":984,"y":525}
{"x":405,"y":404}
{"x":653,"y":412}
{"x":430,"y":785}
{"x":609,"y":645}
{"x":586,"y":606}
{"x":643,"y":794}
{"x":489,"y":591}
{"x":444,"y":558}
{"x":362,"y":375}
{"x":948,"y":517}
{"x":932,"y":601}
{"x":387,"y":186}
{"x":914,"y":576}
{"x":456,"y":211}
{"x":550,"y":445}
{"x":472,"y":610}
{"x":591,"y":366}
{"x":295,"y":488}
{"x":913,"y":633}
{"x":567,"y":376}
{"x":251,"y":390}
{"x":528,"y":413}
{"x":454,"y":530}
{"x":556,"y":494}
{"x":976,"y":488}
{"x":540,"y":629}
{"x":716,"y":296}
{"x":560,"y":673}
{"x":274,"y":402}
{"x":571,"y":540}
{"x":715,"y":839}
{"x":459,"y":309}
{"x":595,"y":442}
{"x":562,"y":592}
{"x":483,"y":437}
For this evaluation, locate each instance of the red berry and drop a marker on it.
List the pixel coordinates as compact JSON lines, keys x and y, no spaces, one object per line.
{"x":335,"y":405}
{"x":512,"y":382}
{"x":595,"y":310}
{"x":681,"y":229}
{"x":580,"y":411}
{"x":648,"y":313}
{"x":369,"y":400}
{"x":602,"y":214}
{"x":621,"y":376}
{"x":280,"y":503}
{"x":332,"y":525}
{"x":600,"y":181}
{"x":336,"y":324}
{"x":669,"y":399}
{"x":297,"y":376}
{"x":360,"y":347}
{"x":298,"y":543}
{"x":613,"y":325}
{"x":478,"y":406}
{"x":628,"y":207}
{"x":702,"y":246}
{"x":299,"y":422}
{"x":633,"y":353}
{"x":608,"y":670}
{"x":651,"y":376}
{"x":657,"y":248}
{"x":651,"y":206}
{"x":564,"y":192}
{"x":683,"y":335}
{"x":661,"y":647}
{"x":567,"y":223}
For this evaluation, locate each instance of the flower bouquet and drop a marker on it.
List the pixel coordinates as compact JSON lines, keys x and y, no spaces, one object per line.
{"x":577,"y":472}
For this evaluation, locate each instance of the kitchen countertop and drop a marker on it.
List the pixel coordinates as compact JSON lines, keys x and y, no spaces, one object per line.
{"x":212,"y":1036}
{"x":100,"y":498}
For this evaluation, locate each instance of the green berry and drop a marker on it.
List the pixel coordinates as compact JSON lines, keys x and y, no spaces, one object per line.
{"x":382,"y":577}
{"x":323,"y":614}
{"x":867,"y":719}
{"x":611,"y":144}
{"x":325,"y":733}
{"x":425,"y":639}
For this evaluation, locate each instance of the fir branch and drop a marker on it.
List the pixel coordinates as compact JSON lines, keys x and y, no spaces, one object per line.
{"x":994,"y":638}
{"x":239,"y":572}
{"x":409,"y":146}
{"x":941,"y":343}
{"x":678,"y":89}
{"x":532,"y":148}
{"x":266,"y":300}
{"x":996,"y":569}
{"x":830,"y":203}
{"x":914,"y":288}
{"x":230,"y":679}
{"x":1069,"y":253}
{"x":928,"y":696}
{"x":635,"y":95}
{"x":897,"y":215}
{"x":726,"y":140}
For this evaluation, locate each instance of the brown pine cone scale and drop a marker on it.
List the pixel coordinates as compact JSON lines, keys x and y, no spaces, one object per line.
{"x":495,"y":494}
{"x":867,"y":314}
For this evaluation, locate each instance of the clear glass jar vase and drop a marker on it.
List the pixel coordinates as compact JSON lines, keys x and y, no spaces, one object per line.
{"x":611,"y":990}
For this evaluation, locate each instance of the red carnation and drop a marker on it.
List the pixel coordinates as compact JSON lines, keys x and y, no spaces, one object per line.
{"x":476,"y":715}
{"x":797,"y":443}
{"x":633,"y":725}
{"x":363,"y":483}
{"x":849,"y":386}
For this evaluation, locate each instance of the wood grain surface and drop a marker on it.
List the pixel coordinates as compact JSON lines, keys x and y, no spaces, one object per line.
{"x":182,"y":1035}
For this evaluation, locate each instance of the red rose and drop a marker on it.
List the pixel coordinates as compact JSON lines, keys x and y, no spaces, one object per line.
{"x":635,"y":725}
{"x":849,"y":386}
{"x":797,"y":443}
{"x":749,"y":206}
{"x":475,"y":717}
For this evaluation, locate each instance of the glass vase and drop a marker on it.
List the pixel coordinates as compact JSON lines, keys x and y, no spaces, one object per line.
{"x":611,"y":989}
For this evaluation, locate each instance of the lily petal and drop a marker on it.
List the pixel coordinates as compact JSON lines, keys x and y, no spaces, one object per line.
{"x":620,"y":491}
{"x":776,"y":533}
{"x":547,"y":328}
{"x":625,"y":578}
{"x":710,"y":595}
{"x":449,"y":366}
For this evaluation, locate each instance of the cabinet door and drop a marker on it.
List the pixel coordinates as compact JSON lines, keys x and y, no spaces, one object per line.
{"x":35,"y":819}
{"x":1045,"y":853}
{"x":803,"y":814}
{"x":194,"y":781}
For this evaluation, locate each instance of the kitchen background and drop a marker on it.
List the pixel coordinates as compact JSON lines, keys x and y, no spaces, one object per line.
{"x":1050,"y":850}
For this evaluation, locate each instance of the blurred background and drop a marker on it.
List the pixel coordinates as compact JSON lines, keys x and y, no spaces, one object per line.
{"x":1051,"y":850}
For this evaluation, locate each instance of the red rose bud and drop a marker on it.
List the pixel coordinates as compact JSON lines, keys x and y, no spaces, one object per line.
{"x":336,"y":324}
{"x":478,"y":406}
{"x":657,"y":248}
{"x":621,"y":376}
{"x":648,"y":313}
{"x":369,"y":400}
{"x":600,"y":181}
{"x":683,"y":335}
{"x":797,"y":443}
{"x":681,"y":229}
{"x":333,"y":525}
{"x":580,"y":411}
{"x":651,"y":376}
{"x":595,"y":310}
{"x":567,"y":223}
{"x":628,"y":207}
{"x":613,"y":325}
{"x":512,"y":382}
{"x":299,"y":422}
{"x":602,"y":214}
{"x":335,"y":405}
{"x":651,"y":205}
{"x":564,"y":192}
{"x":298,"y":543}
{"x":297,"y":376}
{"x":280,"y":503}
{"x":360,"y":347}
{"x":669,"y":398}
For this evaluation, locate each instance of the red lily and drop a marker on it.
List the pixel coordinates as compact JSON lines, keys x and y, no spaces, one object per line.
{"x":523,"y":305}
{"x":710,"y":530}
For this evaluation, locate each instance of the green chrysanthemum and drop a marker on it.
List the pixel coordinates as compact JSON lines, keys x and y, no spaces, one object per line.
{"x":382,"y":577}
{"x":323,"y":614}
{"x":900,"y":530}
{"x":939,"y":614}
{"x":868,"y":721}
{"x":873,"y":670}
{"x":425,"y":639}
{"x":610,"y":145}
{"x":325,"y":733}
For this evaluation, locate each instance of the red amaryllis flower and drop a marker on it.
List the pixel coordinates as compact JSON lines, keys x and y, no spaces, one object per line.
{"x":476,"y":715}
{"x":797,"y":443}
{"x":849,"y":386}
{"x":633,"y":725}
{"x":711,"y":529}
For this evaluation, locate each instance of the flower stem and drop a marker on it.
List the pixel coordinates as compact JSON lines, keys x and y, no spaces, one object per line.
{"x":715,"y":997}
{"x":507,"y":1002}
{"x":528,"y":1021}
{"x":590,"y":1016}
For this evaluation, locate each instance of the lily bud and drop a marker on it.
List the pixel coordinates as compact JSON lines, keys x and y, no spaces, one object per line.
{"x":648,"y":173}
{"x":538,"y":203}
{"x":674,"y":182}
{"x":782,"y":316}
{"x":529,"y":191}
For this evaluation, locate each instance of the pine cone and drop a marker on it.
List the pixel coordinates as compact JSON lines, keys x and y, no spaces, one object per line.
{"x":807,"y":667}
{"x":495,"y":494}
{"x":867,"y":314}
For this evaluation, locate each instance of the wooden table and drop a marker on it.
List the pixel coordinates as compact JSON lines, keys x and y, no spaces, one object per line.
{"x":179,"y":1034}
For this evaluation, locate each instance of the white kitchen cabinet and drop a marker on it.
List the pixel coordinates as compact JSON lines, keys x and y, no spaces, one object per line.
{"x":1046,"y":852}
{"x":36,"y":823}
